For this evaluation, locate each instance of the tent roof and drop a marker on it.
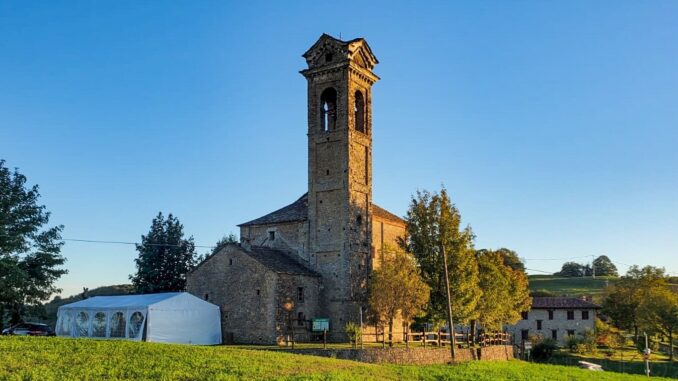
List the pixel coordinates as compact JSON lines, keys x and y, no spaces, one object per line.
{"x":122,"y":301}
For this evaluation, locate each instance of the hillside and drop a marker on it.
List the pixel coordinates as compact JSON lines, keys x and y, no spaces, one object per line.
{"x":52,"y":307}
{"x":25,"y":358}
{"x":570,"y":286}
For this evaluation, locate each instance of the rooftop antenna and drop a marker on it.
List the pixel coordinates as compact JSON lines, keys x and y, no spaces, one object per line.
{"x":340,"y":35}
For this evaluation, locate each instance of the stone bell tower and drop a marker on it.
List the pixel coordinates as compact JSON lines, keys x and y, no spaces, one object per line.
{"x":340,"y":83}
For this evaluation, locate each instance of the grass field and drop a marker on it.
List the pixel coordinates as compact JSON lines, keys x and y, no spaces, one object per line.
{"x":570,"y":286}
{"x":86,"y":359}
{"x":627,"y":361}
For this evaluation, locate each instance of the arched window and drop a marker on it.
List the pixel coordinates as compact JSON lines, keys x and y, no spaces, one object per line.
{"x":328,"y":109}
{"x":359,"y":111}
{"x":116,"y":327}
{"x":82,"y":324}
{"x":99,"y":324}
{"x":136,"y":322}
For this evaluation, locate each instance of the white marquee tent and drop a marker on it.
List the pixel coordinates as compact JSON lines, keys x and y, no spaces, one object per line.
{"x":172,"y":317}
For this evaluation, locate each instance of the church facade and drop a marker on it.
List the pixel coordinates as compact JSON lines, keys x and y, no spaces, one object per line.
{"x":317,"y":252}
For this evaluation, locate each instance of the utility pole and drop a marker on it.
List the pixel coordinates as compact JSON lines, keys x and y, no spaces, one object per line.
{"x":361,"y":327}
{"x":593,"y":266}
{"x":449,"y":305}
{"x":646,"y":355}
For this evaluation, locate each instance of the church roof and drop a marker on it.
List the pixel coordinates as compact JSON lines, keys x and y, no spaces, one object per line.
{"x":382,"y":213}
{"x":294,"y":212}
{"x":278,"y":261}
{"x":298,"y":212}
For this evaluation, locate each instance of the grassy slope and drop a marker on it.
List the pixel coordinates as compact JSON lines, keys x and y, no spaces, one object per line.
{"x":570,"y":286}
{"x":61,"y":359}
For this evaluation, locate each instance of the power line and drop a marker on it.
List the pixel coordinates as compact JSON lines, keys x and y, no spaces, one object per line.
{"x":554,"y":259}
{"x":130,"y":243}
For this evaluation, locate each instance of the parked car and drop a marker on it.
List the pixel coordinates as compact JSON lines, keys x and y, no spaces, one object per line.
{"x":29,"y":329}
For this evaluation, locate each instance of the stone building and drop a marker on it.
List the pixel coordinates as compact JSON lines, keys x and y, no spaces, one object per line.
{"x":555,"y":317}
{"x":319,"y":250}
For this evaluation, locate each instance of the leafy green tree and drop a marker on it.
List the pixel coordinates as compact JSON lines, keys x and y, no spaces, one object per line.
{"x":604,"y":266}
{"x":571,"y":269}
{"x":396,"y":289}
{"x":658,"y":313}
{"x":29,"y":249}
{"x":225,"y":240}
{"x":165,"y":257}
{"x":505,"y":290}
{"x":511,"y":259}
{"x":433,"y":224}
{"x":622,"y":299}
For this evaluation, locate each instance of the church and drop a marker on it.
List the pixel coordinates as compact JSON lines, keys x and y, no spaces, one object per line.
{"x":312,"y":258}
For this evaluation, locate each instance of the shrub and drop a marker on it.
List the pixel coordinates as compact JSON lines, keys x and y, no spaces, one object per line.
{"x":572,"y":342}
{"x":354,"y":332}
{"x":543,"y":350}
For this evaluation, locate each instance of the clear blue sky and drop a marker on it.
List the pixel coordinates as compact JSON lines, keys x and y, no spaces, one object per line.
{"x":552,"y":124}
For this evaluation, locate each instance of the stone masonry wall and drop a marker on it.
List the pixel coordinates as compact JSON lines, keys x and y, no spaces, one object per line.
{"x":245,"y":292}
{"x":413,"y":356}
{"x":559,"y":323}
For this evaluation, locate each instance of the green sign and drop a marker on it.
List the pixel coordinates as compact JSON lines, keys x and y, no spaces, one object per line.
{"x":320,"y":324}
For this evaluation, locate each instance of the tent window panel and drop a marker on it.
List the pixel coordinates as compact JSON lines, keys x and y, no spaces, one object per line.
{"x":82,"y":324}
{"x":65,"y":323}
{"x":136,"y":322}
{"x":117,"y":325}
{"x":99,"y":324}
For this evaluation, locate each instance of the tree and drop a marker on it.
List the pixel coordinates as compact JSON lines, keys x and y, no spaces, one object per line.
{"x":622,"y":300}
{"x":433,"y":223}
{"x":397,"y":289}
{"x":29,"y":249}
{"x":658,"y":313}
{"x":225,"y":240}
{"x":511,"y":259}
{"x":604,"y":266}
{"x":571,"y":269}
{"x":505,"y":290}
{"x":165,"y":257}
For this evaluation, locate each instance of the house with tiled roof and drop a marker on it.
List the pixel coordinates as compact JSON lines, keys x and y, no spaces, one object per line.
{"x":555,"y":317}
{"x":316,"y":253}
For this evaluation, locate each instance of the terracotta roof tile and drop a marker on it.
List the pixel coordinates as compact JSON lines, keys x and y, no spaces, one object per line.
{"x":559,"y":302}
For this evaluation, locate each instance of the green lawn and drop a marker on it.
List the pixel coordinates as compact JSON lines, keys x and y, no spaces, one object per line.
{"x":627,"y":361}
{"x":570,"y":286}
{"x":86,"y":359}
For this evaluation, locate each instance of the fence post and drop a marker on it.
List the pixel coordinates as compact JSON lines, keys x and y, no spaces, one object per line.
{"x":423,"y":337}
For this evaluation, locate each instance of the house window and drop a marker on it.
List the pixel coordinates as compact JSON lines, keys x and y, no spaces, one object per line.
{"x":230,"y":261}
{"x":539,"y":324}
{"x":524,"y":315}
{"x":207,"y":296}
{"x":570,"y":332}
{"x":328,"y":57}
{"x":584,"y":315}
{"x":301,"y":319}
{"x":300,"y":294}
{"x":550,"y":314}
{"x":271,"y":235}
{"x":570,"y":315}
{"x":524,"y":334}
{"x":554,"y":334}
{"x":258,"y":292}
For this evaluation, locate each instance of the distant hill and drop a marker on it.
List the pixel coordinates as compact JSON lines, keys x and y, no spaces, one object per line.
{"x":570,"y":286}
{"x":52,"y":307}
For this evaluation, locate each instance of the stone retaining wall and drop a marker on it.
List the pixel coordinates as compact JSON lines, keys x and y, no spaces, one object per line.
{"x":412,"y":356}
